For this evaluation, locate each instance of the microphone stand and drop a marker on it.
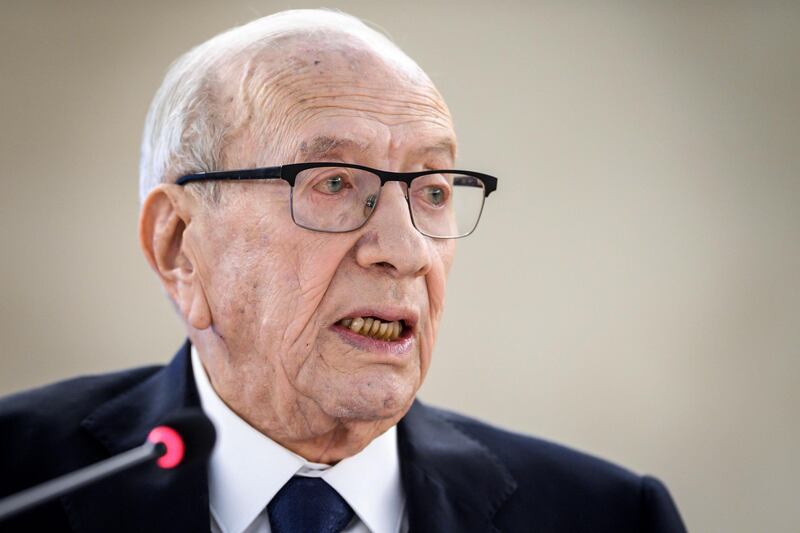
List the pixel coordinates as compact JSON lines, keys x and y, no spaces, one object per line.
{"x":75,"y":480}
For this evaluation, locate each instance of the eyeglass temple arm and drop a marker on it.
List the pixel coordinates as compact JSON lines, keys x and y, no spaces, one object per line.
{"x":249,"y":174}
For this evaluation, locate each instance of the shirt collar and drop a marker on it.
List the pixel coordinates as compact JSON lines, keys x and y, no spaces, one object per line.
{"x":247,"y":469}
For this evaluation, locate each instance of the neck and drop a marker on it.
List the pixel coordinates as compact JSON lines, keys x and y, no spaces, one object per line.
{"x":332,"y":447}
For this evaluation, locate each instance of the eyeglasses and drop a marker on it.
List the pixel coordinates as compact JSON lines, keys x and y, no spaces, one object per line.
{"x":340,"y":197}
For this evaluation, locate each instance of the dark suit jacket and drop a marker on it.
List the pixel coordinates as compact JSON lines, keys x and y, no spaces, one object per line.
{"x":459,"y":474}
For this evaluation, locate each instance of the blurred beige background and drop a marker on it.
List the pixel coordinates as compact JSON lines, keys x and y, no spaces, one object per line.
{"x":632,"y":290}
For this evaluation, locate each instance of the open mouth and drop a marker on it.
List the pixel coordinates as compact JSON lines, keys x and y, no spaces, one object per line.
{"x":375,"y":328}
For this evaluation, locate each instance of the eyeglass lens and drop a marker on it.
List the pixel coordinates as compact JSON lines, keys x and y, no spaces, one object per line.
{"x":338,"y":199}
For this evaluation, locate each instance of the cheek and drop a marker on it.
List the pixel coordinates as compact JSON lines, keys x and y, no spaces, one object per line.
{"x":436,"y":282}
{"x":240,"y":284}
{"x":269,"y":291}
{"x":444,"y":252}
{"x":306,"y":282}
{"x":244,"y":270}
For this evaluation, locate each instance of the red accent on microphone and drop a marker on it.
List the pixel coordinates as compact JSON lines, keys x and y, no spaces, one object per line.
{"x":173,"y":442}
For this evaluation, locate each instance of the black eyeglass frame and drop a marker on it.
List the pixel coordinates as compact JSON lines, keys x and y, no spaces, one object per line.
{"x":289,"y":173}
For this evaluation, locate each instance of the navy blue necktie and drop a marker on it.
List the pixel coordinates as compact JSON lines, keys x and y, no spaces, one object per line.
{"x":308,"y":504}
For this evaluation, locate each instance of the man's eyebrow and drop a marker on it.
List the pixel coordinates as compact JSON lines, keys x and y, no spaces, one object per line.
{"x":322,"y":145}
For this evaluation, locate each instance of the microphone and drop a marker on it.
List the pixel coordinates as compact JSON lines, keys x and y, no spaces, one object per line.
{"x":185,"y":437}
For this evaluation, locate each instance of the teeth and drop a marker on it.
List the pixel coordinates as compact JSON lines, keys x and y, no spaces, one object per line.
{"x":356,"y":324}
{"x":376,"y":325}
{"x":372,"y":327}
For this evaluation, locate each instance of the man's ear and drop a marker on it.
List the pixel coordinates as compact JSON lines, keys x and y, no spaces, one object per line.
{"x":165,"y":216}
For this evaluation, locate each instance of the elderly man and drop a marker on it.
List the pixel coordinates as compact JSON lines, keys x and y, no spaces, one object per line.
{"x":298,"y":209}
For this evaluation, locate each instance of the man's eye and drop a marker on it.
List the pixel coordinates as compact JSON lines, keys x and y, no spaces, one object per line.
{"x":435,"y":195}
{"x":331,"y":185}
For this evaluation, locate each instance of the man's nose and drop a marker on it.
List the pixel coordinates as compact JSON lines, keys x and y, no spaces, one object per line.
{"x":390,"y":240}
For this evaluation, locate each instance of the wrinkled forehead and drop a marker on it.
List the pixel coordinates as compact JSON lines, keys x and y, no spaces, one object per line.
{"x":309,"y":94}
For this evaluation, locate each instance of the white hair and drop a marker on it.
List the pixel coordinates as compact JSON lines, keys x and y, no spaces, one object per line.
{"x":184,"y":131}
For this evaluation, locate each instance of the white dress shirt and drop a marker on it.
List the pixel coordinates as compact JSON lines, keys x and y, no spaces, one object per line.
{"x":247,"y":469}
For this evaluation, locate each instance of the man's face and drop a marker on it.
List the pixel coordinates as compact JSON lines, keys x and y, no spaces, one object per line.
{"x":278,"y":293}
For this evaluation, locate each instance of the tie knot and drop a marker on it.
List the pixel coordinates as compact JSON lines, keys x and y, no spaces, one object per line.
{"x":308,"y":504}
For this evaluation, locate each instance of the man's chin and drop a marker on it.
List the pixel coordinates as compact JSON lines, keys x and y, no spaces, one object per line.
{"x":370,"y":401}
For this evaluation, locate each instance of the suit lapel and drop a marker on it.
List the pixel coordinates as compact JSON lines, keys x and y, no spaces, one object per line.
{"x":146,"y":498}
{"x":452,"y":482}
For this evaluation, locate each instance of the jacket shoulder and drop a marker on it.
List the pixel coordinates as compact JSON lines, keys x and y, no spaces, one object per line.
{"x":520,"y":452}
{"x":41,"y":427}
{"x":66,"y":400}
{"x":568,"y":487}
